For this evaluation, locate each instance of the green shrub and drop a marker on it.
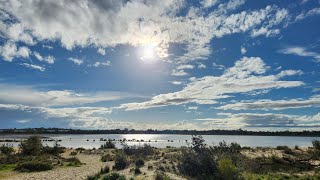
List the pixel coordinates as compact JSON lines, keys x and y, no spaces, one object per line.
{"x":94,"y":177}
{"x":138,"y":151}
{"x":55,"y":150}
{"x":197,"y":160}
{"x":108,"y":145}
{"x":227,"y":170}
{"x":107,"y":157}
{"x":114,"y":176}
{"x":139,"y":162}
{"x":161,"y":176}
{"x":73,"y":161}
{"x":316,"y":145}
{"x":73,"y":153}
{"x":33,"y":166}
{"x":120,"y":162}
{"x":32,"y":146}
{"x":137,"y":171}
{"x":6,"y":149}
{"x":105,"y":170}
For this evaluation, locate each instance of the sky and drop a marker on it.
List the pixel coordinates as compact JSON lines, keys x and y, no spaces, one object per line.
{"x":147,"y":64}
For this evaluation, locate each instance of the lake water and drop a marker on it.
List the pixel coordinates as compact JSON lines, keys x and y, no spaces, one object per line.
{"x":163,"y":140}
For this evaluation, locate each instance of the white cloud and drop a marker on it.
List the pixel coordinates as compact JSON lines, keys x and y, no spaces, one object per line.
{"x":48,"y":59}
{"x":98,"y":64}
{"x":248,"y":74}
{"x":300,"y":51}
{"x":33,"y":66}
{"x":185,"y":66}
{"x":179,"y":73}
{"x":102,"y":51}
{"x":175,"y":82}
{"x":218,"y":66}
{"x":312,"y":12}
{"x":139,"y":23}
{"x":267,"y":104}
{"x":76,"y":60}
{"x":208,"y":3}
{"x":192,"y":108}
{"x":14,"y":94}
{"x":243,"y":50}
{"x":9,"y":51}
{"x":201,"y":66}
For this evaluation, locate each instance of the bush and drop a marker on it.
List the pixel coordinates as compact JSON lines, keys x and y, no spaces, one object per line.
{"x":120,"y":162}
{"x":6,"y":149}
{"x":138,"y":151}
{"x":94,"y":177}
{"x":105,"y":170}
{"x":55,"y":150}
{"x":107,"y":157}
{"x":73,"y":153}
{"x":114,"y":176}
{"x":197,"y":161}
{"x":73,"y":161}
{"x":282,"y":147}
{"x":227,"y":169}
{"x":32,"y":146}
{"x":33,"y":166}
{"x":161,"y":176}
{"x":139,"y":162}
{"x":316,"y":145}
{"x":108,"y":145}
{"x":137,"y":171}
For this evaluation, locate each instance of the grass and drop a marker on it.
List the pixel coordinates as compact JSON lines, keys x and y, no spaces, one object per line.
{"x":7,"y":167}
{"x":251,"y":176}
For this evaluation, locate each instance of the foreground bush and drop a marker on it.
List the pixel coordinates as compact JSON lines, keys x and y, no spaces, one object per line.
{"x":33,"y":166}
{"x":55,"y":150}
{"x":139,"y":162}
{"x":114,"y":176}
{"x":138,"y":151}
{"x":120,"y":162}
{"x":198,"y":160}
{"x":107,"y":157}
{"x":73,"y":161}
{"x":32,"y":146}
{"x":161,"y":176}
{"x":227,"y":170}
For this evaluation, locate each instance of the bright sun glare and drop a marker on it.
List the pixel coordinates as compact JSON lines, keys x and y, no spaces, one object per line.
{"x":148,"y":54}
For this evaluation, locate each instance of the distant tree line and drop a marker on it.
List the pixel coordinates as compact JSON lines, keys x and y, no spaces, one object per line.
{"x":151,"y":131}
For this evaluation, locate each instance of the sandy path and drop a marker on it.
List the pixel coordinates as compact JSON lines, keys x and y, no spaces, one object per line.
{"x":92,"y":166}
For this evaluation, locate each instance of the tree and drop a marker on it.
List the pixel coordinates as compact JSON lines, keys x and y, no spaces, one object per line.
{"x":32,"y":146}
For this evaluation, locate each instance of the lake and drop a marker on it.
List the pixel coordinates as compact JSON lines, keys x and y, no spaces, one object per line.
{"x":163,"y":140}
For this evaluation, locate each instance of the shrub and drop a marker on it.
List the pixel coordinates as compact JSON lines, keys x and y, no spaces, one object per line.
{"x":6,"y":149}
{"x":227,"y":169}
{"x":104,"y":170}
{"x":139,"y":162}
{"x":316,"y":145}
{"x":197,"y":160}
{"x":73,"y":161}
{"x":120,"y":162}
{"x":94,"y":177}
{"x":296,"y":147}
{"x":107,"y":157}
{"x":137,"y":171}
{"x":161,"y":176}
{"x":282,"y":147}
{"x":73,"y":153}
{"x":32,"y":146}
{"x":108,"y":145}
{"x":33,"y":166}
{"x":138,"y":151}
{"x":55,"y":150}
{"x":114,"y":176}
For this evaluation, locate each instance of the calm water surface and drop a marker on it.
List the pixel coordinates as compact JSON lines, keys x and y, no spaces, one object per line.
{"x":163,"y":140}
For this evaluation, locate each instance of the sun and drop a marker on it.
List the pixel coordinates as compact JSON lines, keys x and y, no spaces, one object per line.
{"x":148,"y":53}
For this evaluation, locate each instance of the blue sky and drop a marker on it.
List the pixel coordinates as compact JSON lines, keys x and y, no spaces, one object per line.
{"x":166,"y":64}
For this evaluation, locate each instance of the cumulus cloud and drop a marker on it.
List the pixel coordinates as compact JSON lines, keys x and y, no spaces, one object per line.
{"x":76,"y":60}
{"x":201,"y":66}
{"x":248,"y":74}
{"x":136,"y":23}
{"x":98,"y":64}
{"x":243,"y":50}
{"x":179,"y":73}
{"x":102,"y":51}
{"x":209,"y":3}
{"x":9,"y":51}
{"x":300,"y":51}
{"x":185,"y":66}
{"x":33,"y":66}
{"x":175,"y":82}
{"x":47,"y":59}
